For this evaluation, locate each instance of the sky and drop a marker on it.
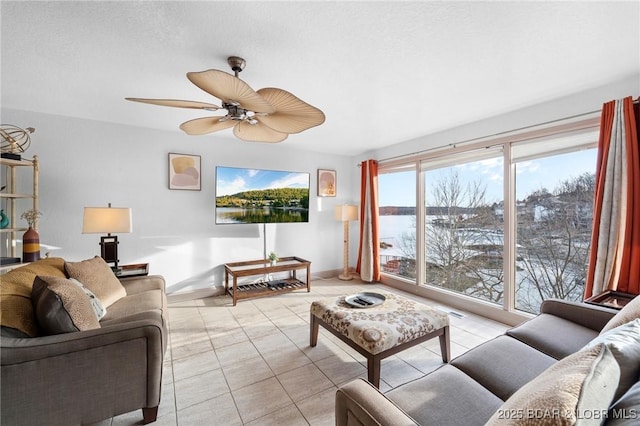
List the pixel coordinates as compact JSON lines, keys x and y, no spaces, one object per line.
{"x":231,"y":180}
{"x":398,"y":189}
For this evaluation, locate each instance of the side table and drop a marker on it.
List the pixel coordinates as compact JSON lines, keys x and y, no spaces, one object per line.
{"x":265,"y":286}
{"x":611,"y":299}
{"x":133,"y":270}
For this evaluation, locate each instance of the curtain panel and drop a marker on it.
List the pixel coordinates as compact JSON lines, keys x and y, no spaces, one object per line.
{"x":368,"y":265}
{"x":614,"y":262}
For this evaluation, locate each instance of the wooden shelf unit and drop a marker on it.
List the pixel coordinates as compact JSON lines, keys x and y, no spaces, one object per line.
{"x":11,"y":198}
{"x":265,"y":286}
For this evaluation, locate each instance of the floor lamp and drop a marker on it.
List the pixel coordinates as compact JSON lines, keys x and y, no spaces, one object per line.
{"x":345,"y":213}
{"x":101,"y":220}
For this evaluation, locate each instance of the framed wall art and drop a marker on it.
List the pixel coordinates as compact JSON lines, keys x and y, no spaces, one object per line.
{"x":184,"y":172}
{"x":327,"y":183}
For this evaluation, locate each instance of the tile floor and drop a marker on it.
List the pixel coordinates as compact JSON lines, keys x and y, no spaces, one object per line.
{"x":252,"y":364}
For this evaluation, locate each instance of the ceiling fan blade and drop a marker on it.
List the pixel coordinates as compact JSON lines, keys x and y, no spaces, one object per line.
{"x":177,"y":103}
{"x":229,"y":88}
{"x":292,"y":115}
{"x":204,"y":125}
{"x":257,"y":133}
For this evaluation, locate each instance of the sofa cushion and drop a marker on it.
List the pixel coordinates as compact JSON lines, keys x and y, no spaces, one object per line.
{"x":626,"y":410}
{"x":628,"y":313}
{"x":575,"y":390}
{"x":539,"y":333}
{"x":497,"y":365}
{"x":446,"y":396}
{"x":16,"y":309}
{"x":61,"y":306}
{"x":624,"y":343}
{"x":151,"y":300}
{"x":98,"y":277}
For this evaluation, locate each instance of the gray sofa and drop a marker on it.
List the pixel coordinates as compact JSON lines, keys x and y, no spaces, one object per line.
{"x":479,"y":387}
{"x":84,"y":376}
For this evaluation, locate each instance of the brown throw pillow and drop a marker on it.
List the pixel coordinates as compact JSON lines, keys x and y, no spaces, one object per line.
{"x":98,"y":277}
{"x":61,"y":306}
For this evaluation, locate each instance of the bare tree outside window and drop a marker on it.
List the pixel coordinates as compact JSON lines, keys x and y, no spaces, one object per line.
{"x":463,"y":237}
{"x":554,"y":234}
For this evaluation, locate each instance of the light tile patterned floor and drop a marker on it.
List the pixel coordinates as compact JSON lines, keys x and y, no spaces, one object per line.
{"x":252,"y":364}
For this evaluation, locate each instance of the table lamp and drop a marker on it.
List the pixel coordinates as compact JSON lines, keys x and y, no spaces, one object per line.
{"x":100,"y":220}
{"x":345,"y":213}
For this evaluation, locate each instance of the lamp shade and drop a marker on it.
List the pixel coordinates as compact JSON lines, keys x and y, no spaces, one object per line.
{"x":346,"y":212}
{"x":100,"y":220}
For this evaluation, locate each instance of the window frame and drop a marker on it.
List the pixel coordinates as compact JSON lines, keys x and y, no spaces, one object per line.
{"x":473,"y":151}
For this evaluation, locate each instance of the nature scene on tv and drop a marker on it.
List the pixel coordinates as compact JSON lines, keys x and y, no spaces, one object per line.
{"x":261,"y":196}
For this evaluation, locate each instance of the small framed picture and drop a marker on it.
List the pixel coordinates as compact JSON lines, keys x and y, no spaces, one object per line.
{"x":184,"y":171}
{"x":326,"y":183}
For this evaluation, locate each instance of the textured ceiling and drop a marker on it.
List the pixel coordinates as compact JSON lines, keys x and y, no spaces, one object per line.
{"x":383,"y":72}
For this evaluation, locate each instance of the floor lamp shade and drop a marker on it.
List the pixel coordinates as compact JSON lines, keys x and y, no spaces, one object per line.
{"x":345,"y":213}
{"x":107,"y":220}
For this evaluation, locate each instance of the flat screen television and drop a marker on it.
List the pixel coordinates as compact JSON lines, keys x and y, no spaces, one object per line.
{"x":261,"y":196}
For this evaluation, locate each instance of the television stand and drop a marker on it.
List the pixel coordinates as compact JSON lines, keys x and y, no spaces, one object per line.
{"x":266,"y":286}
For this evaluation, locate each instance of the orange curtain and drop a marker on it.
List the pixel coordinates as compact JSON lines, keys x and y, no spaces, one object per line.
{"x":614,"y":262}
{"x":368,"y":265}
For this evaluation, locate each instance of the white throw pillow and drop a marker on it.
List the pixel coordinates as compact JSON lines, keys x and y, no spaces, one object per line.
{"x":624,"y":343}
{"x":577,"y":390}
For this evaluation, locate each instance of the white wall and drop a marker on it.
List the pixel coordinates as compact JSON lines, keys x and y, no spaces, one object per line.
{"x":583,"y":102}
{"x":91,"y":163}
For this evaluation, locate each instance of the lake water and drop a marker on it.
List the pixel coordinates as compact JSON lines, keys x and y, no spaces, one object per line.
{"x":261,"y":215}
{"x":392,"y":228}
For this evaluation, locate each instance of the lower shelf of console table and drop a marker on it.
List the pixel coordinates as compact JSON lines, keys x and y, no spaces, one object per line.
{"x":266,"y":286}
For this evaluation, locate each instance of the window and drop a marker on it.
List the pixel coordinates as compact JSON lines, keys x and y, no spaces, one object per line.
{"x":463,"y":232}
{"x":554,"y":199}
{"x":506,"y":221}
{"x":397,"y":201}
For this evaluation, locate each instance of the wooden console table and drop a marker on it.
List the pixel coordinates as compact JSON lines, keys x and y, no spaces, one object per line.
{"x":265,"y":286}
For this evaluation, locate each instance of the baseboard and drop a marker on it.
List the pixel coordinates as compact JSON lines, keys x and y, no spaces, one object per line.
{"x":202,"y":293}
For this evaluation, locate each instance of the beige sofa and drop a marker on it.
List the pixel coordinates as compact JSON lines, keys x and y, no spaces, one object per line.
{"x":96,"y":369}
{"x":556,"y":369}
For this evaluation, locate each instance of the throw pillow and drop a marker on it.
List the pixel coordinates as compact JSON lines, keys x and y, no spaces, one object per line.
{"x":576,"y":390}
{"x":630,"y":312}
{"x":98,"y":277}
{"x":96,"y":304}
{"x":61,"y":306}
{"x":16,"y":309}
{"x":624,"y":343}
{"x":626,"y":410}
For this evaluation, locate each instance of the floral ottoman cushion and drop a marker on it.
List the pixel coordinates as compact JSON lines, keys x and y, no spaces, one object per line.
{"x":396,"y":321}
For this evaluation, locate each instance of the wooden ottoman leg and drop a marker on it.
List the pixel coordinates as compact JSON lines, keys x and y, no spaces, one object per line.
{"x":445,"y":347}
{"x":373,"y":370}
{"x":313,"y":331}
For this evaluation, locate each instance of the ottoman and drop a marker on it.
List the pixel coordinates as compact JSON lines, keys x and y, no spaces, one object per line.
{"x":380,"y":331}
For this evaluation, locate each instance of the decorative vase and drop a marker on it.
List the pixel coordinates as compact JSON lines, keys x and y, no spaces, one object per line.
{"x":273,"y":262}
{"x":30,"y":246}
{"x":4,"y":220}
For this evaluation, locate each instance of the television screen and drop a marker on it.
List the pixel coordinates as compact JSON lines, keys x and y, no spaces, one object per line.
{"x":261,"y":196}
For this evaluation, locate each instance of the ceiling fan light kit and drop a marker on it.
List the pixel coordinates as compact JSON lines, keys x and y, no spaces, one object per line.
{"x":266,"y":115}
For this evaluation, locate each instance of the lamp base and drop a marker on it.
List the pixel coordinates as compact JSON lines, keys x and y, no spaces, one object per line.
{"x":345,"y":277}
{"x":109,"y":250}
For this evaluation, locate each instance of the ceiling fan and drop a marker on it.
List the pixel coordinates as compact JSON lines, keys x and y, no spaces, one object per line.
{"x":266,"y":115}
